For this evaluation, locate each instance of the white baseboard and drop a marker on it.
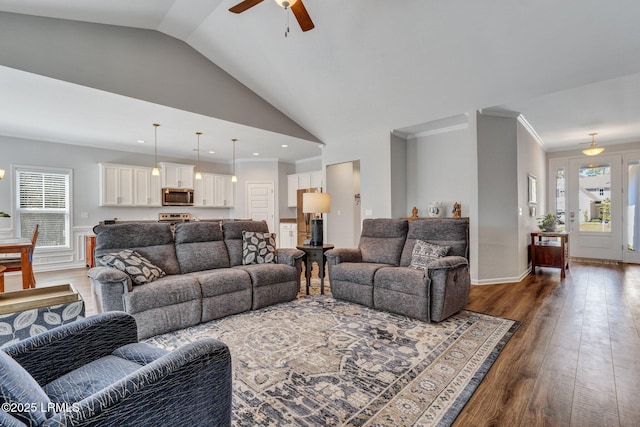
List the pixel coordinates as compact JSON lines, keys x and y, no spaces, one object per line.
{"x":502,"y":280}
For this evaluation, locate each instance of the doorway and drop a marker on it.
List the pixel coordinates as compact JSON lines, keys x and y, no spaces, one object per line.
{"x":595,"y":207}
{"x":344,"y":221}
{"x":631,"y":223}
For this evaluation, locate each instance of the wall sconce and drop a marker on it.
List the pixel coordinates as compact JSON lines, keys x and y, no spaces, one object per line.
{"x":1,"y":173}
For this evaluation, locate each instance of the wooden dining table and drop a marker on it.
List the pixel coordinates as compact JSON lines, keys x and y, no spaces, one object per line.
{"x":24,"y":247}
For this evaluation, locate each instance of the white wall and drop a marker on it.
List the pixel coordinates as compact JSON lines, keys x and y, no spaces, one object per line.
{"x":373,"y":152}
{"x":442,"y":166}
{"x":497,"y":199}
{"x":531,"y":160}
{"x":399,"y":177}
{"x":507,"y":154}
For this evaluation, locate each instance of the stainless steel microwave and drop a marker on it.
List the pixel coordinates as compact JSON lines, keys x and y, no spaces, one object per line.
{"x":177,"y":197}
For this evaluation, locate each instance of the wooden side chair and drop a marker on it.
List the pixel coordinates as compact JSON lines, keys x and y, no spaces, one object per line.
{"x":2,"y":269}
{"x":15,"y":263}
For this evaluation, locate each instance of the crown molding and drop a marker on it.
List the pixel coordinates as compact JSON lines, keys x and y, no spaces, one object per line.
{"x":531,"y":130}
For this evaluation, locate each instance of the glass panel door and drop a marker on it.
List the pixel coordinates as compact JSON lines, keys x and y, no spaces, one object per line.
{"x":560,"y":186}
{"x":631,"y":246}
{"x":595,"y":216}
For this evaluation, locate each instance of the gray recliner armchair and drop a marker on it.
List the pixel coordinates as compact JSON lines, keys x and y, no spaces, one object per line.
{"x":94,"y":372}
{"x":379,"y":274}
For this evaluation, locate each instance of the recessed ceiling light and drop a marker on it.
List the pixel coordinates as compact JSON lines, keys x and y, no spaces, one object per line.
{"x":284,"y":146}
{"x":212,"y":152}
{"x":256,"y":154}
{"x":141,"y":141}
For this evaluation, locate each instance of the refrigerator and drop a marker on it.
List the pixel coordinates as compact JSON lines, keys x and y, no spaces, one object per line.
{"x":302,"y":219}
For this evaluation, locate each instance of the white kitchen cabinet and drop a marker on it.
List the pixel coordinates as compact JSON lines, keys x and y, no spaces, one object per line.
{"x":116,"y":185}
{"x":224,"y":191}
{"x":204,"y":191}
{"x":298,"y":181}
{"x":304,"y":180}
{"x":288,"y":235}
{"x":175,"y":175}
{"x":213,"y":191}
{"x":316,"y":179}
{"x":146,"y":188}
{"x":292,"y":190}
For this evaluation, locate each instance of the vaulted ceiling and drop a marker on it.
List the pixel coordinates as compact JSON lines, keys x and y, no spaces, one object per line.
{"x":570,"y":67}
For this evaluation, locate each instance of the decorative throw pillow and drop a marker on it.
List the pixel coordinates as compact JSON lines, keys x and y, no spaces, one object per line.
{"x":424,"y":253}
{"x":140,"y":269}
{"x":258,"y":248}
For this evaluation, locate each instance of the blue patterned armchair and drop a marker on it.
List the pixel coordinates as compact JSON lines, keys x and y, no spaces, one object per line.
{"x":94,"y":372}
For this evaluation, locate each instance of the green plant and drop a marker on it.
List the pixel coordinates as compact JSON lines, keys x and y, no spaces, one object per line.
{"x":4,"y":215}
{"x":548,"y":222}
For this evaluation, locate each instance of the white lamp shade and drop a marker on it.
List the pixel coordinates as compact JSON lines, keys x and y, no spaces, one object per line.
{"x":316,"y":203}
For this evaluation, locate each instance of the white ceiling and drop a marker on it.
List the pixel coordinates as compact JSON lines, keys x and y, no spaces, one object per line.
{"x":570,"y":68}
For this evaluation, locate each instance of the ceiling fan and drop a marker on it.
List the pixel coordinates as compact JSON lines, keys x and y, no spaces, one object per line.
{"x":296,"y":6}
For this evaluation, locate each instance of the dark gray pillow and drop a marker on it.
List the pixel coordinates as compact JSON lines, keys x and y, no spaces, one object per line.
{"x":258,"y":248}
{"x":425,"y":252}
{"x":140,"y":269}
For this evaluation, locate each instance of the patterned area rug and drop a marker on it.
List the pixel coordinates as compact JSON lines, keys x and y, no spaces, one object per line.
{"x":317,"y":361}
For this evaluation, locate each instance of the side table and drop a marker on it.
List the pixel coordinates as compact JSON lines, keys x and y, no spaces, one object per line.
{"x":552,"y":252}
{"x":315,"y":253}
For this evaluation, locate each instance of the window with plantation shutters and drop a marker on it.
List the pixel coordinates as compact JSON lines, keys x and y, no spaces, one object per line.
{"x":43,"y":198}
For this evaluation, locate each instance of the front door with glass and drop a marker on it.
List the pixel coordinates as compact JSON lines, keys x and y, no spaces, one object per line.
{"x":594,"y":215}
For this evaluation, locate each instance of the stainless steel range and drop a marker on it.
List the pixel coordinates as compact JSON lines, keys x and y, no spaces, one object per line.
{"x":174,"y":217}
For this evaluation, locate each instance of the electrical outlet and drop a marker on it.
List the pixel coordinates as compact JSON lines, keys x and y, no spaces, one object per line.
{"x":368,"y":212}
{"x":84,"y":215}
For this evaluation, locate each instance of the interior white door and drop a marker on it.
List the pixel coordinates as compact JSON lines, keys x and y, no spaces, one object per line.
{"x":595,"y":207}
{"x":261,"y":202}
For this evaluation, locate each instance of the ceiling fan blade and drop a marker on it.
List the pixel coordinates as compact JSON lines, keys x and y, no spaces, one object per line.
{"x":244,"y":5}
{"x":302,"y":16}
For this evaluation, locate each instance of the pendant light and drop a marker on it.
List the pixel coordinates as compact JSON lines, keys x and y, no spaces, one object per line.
{"x":155,"y":171}
{"x":234,"y":178}
{"x":198,"y":174}
{"x":593,"y":150}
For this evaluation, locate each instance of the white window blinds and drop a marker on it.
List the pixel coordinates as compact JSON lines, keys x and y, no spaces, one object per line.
{"x":43,"y":198}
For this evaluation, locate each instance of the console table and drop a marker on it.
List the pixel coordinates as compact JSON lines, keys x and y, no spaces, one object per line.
{"x":315,"y":253}
{"x":550,"y":249}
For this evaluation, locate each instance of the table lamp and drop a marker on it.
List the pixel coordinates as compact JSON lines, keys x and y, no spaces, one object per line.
{"x":316,"y":204}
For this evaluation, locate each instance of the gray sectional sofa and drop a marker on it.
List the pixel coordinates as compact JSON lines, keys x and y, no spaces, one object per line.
{"x":379,"y":272}
{"x":204,"y":276}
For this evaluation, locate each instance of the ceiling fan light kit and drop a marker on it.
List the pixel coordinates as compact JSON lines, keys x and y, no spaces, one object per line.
{"x":296,"y":7}
{"x":286,"y":4}
{"x":593,"y":150}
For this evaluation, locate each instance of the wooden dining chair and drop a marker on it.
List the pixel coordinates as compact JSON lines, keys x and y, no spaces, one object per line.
{"x":15,"y":263}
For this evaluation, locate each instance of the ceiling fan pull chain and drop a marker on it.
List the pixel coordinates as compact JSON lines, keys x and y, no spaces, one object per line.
{"x":286,"y":12}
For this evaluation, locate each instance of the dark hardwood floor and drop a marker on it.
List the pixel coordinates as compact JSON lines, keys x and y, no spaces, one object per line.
{"x":574,"y":361}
